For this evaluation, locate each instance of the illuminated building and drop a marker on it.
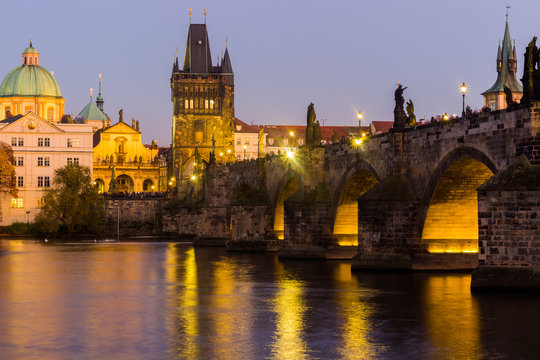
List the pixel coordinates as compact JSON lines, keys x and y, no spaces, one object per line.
{"x":137,"y":167}
{"x":203,"y":105}
{"x":31,"y":88}
{"x":495,"y":97}
{"x":40,"y":148}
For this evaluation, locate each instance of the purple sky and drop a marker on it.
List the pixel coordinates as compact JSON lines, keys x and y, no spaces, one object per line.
{"x":340,"y":55}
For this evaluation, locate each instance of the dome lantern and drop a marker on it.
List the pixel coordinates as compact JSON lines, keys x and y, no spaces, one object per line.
{"x":30,"y":55}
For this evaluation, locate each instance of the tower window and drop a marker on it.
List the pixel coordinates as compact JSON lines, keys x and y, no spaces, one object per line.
{"x":191,"y":104}
{"x":186,"y":104}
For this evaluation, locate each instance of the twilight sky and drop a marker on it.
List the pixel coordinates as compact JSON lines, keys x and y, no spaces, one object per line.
{"x":340,"y":55}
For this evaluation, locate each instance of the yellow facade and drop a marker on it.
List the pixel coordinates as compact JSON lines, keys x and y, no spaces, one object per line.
{"x":48,"y":108}
{"x":137,"y":168}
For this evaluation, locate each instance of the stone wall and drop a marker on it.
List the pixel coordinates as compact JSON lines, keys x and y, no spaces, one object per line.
{"x":134,"y":216}
{"x":509,"y":229}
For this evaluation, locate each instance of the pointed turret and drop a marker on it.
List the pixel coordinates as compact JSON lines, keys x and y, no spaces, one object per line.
{"x":494,"y":97}
{"x":226,"y":66}
{"x":197,"y":57}
{"x":99,"y":100}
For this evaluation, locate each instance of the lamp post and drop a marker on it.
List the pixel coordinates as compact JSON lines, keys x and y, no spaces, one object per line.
{"x":463,"y":89}
{"x":27,"y":220}
{"x":359,"y":116}
{"x":245,"y":146}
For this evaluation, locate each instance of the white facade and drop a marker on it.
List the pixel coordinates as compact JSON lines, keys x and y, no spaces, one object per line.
{"x":251,"y":143}
{"x":39,"y":148}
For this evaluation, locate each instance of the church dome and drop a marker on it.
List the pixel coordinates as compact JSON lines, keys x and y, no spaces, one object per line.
{"x":30,"y":79}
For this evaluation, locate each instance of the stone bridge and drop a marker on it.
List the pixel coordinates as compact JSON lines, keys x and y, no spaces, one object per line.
{"x":404,"y":199}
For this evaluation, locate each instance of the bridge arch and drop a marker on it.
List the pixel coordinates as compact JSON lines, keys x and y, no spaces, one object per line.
{"x":448,"y":209}
{"x":358,"y":178}
{"x":288,"y":185}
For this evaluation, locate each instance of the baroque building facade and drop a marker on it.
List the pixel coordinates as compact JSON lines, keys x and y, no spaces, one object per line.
{"x":203,"y":107}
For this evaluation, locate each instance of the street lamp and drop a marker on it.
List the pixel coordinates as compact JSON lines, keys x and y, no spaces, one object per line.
{"x":463,"y":90}
{"x":27,"y":220}
{"x":359,"y":116}
{"x":446,"y":117}
{"x":245,"y":146}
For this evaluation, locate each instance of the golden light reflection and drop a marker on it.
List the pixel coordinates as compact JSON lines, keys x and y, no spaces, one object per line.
{"x":185,"y":274}
{"x":346,"y":223}
{"x":355,"y":342}
{"x":452,"y":316}
{"x":231,"y":311}
{"x":451,"y":224}
{"x":289,"y":306}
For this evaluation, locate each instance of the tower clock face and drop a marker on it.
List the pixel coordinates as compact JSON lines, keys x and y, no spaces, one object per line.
{"x":32,"y":125}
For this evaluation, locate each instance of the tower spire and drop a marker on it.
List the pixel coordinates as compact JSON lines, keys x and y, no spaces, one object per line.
{"x":99,"y":100}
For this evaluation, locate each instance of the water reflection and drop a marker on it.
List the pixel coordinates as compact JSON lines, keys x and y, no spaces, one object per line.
{"x":452,"y":316}
{"x":160,"y":300}
{"x":289,"y":306}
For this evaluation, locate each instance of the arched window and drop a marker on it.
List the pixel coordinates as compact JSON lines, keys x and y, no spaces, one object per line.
{"x":50,"y":114}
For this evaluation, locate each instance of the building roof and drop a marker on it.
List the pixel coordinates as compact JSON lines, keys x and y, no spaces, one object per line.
{"x":11,"y":119}
{"x":378,"y":127}
{"x":242,"y":127}
{"x":30,"y":81}
{"x":91,"y":112}
{"x":506,"y":66}
{"x":197,"y":58}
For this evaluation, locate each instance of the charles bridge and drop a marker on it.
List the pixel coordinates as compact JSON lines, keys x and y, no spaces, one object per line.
{"x":406,"y":199}
{"x":400,"y":200}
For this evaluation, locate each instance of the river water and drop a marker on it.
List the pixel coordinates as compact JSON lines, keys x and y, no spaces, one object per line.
{"x":173,"y":301}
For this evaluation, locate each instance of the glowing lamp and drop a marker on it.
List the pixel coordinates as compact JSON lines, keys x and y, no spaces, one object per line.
{"x":463,"y":88}
{"x":193,"y":177}
{"x":245,"y":146}
{"x":357,"y":141}
{"x":291,"y":133}
{"x":220,"y":154}
{"x":446,"y":117}
{"x":363,"y":134}
{"x":228,"y":151}
{"x":290,"y":154}
{"x":172,"y":179}
{"x":152,"y":187}
{"x":359,"y":115}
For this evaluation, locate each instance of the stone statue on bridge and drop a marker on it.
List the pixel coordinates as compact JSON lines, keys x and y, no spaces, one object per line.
{"x":411,"y":118}
{"x":510,"y":103}
{"x":113,"y":184}
{"x":400,"y":118}
{"x":311,"y":116}
{"x":531,"y":75}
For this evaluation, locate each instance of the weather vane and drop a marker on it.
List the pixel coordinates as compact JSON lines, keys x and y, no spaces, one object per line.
{"x":190,"y":15}
{"x":507,"y":8}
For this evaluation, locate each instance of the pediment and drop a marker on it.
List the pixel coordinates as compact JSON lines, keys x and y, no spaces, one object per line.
{"x":122,"y":128}
{"x":31,"y":123}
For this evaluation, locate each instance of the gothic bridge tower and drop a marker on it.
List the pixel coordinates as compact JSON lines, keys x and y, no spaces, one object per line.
{"x":203,"y":106}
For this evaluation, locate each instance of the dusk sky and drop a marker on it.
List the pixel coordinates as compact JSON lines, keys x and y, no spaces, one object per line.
{"x":340,"y":55}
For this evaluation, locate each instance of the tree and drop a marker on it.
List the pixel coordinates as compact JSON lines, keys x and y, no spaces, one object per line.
{"x":7,"y":170}
{"x":73,"y":204}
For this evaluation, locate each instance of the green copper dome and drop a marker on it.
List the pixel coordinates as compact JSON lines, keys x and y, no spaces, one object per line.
{"x":30,"y":50}
{"x":30,"y":81}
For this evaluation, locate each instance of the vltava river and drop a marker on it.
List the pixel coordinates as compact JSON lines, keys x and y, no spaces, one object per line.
{"x":173,"y":301}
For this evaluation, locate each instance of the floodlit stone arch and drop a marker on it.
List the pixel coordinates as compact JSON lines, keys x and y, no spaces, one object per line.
{"x":449,"y":207}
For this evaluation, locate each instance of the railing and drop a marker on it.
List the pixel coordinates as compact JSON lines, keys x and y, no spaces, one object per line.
{"x":128,"y":164}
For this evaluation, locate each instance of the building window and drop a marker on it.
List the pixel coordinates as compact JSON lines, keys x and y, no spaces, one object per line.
{"x":40,"y":202}
{"x":21,"y":141}
{"x":43,"y":181}
{"x":8,"y":111}
{"x":72,"y":142}
{"x":44,"y":142}
{"x":20,"y":181}
{"x":20,"y":161}
{"x":17,"y":141}
{"x":186,"y":104}
{"x":46,"y":161}
{"x":39,"y":161}
{"x":206,"y":104}
{"x":76,"y":160}
{"x":211,"y":104}
{"x":191,"y":104}
{"x":50,"y":114}
{"x":239,"y":142}
{"x":70,"y":161}
{"x":13,"y":141}
{"x":17,"y":203}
